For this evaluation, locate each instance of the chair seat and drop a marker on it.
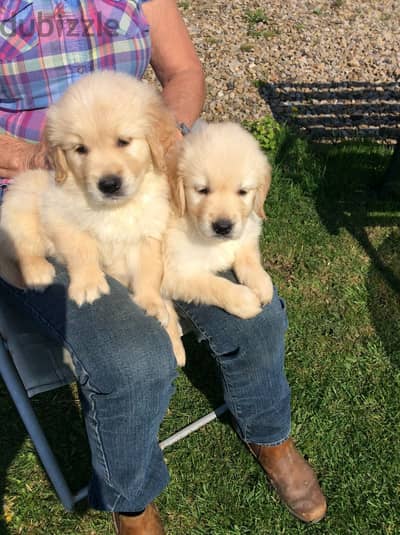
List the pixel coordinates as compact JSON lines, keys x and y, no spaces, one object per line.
{"x":41,"y":362}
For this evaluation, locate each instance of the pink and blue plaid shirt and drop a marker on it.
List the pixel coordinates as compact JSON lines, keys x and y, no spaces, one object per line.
{"x":45,"y":45}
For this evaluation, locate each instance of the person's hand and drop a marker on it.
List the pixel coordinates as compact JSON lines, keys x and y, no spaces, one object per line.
{"x":18,"y":155}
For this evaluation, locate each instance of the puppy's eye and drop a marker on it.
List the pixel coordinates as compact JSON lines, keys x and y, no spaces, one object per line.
{"x":81,"y":149}
{"x":242,"y":192}
{"x":203,"y":191}
{"x":122,"y":142}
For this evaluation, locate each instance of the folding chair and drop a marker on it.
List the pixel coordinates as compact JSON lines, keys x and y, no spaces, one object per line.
{"x":31,"y":363}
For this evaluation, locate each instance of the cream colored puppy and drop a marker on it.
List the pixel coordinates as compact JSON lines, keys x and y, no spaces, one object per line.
{"x":105,"y":208}
{"x":222,"y":181}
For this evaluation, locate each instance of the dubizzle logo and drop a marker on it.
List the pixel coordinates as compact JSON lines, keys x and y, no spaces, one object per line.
{"x":45,"y":25}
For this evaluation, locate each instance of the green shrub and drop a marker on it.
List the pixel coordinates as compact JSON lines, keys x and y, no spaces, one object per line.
{"x":268,"y":132}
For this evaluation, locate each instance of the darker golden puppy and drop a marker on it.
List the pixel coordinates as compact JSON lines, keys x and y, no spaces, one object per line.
{"x":105,"y":207}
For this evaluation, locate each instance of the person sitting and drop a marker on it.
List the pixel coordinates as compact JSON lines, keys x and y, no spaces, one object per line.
{"x":123,"y":357}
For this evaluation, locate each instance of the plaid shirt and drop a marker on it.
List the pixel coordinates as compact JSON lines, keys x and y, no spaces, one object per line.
{"x":45,"y":45}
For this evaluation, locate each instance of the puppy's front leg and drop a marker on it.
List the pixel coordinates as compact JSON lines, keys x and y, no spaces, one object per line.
{"x":22,"y":241}
{"x":210,"y":289}
{"x":79,"y":251}
{"x":147,"y":275}
{"x":147,"y":268}
{"x":250,"y":272}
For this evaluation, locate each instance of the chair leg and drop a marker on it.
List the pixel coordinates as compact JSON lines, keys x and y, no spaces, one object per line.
{"x":201,"y":422}
{"x":28,"y":416}
{"x":22,"y":402}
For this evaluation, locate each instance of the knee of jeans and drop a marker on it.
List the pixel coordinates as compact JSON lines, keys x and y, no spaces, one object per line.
{"x":273,"y":314}
{"x":265,"y":337}
{"x":132,"y":364}
{"x":253,"y":335}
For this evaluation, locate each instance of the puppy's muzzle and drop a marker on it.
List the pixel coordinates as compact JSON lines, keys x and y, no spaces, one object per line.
{"x":110,"y":184}
{"x":222,"y":227}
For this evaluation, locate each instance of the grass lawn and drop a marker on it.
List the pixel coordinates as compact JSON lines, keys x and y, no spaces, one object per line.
{"x":331,"y":244}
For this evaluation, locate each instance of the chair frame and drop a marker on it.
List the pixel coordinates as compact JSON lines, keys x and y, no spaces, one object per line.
{"x":24,"y":407}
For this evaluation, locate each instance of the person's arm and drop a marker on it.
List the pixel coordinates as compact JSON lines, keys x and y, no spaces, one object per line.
{"x":176,"y":65}
{"x":175,"y":61}
{"x":18,"y":155}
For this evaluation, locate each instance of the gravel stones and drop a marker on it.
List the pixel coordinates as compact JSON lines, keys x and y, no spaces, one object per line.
{"x":332,"y":67}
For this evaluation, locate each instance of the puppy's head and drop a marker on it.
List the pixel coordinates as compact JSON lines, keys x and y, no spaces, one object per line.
{"x":107,"y":132}
{"x":223,"y":176}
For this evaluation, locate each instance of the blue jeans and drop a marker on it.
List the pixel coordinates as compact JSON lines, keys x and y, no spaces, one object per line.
{"x":126,"y":369}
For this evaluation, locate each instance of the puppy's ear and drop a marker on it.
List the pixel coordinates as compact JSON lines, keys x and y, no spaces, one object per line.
{"x":162,"y":137}
{"x":55,"y":153}
{"x":178,"y":194}
{"x":262,"y":190}
{"x":175,"y":179}
{"x":59,"y":163}
{"x":165,"y":146}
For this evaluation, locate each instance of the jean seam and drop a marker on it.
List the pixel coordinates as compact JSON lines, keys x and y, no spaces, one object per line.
{"x":217,"y":357}
{"x":114,"y":505}
{"x":99,"y":442}
{"x":238,"y":412}
{"x":275,"y":413}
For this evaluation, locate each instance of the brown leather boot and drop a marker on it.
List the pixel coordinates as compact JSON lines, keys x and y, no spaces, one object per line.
{"x":293,"y":478}
{"x":148,"y":523}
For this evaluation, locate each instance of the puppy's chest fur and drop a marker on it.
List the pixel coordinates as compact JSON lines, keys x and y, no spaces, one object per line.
{"x":186,"y":250}
{"x":117,"y":230}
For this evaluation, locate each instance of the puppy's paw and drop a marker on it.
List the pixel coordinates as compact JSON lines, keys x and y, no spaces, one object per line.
{"x":153,"y":305}
{"x":242,"y":302}
{"x":263,"y":288}
{"x":37,"y":273}
{"x":87,"y":289}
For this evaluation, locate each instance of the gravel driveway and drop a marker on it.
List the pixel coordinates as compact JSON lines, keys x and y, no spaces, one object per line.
{"x":330,"y":66}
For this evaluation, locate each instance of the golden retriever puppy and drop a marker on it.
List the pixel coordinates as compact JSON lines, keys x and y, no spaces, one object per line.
{"x":222,"y":181}
{"x":104,"y":208}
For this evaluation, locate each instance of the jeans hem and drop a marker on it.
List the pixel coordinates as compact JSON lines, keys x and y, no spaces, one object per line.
{"x":270,"y":444}
{"x":115,"y":504}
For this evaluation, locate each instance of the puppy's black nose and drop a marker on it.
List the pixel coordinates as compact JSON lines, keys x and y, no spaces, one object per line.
{"x":222,"y":227}
{"x":109,"y":184}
